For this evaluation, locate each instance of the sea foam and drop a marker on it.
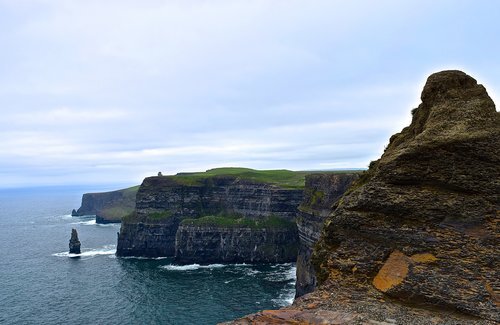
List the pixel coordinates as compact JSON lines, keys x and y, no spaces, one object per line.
{"x":85,"y":223}
{"x":191,"y":267}
{"x":106,"y":250}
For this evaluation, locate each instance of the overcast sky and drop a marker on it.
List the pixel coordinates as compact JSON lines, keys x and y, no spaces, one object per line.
{"x":111,"y":91}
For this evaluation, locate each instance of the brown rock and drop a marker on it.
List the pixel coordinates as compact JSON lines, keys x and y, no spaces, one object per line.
{"x":434,"y":195}
{"x":415,"y":240}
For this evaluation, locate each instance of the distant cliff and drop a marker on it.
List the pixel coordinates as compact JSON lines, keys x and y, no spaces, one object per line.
{"x":415,"y":239}
{"x":322,"y":191}
{"x":108,"y":207}
{"x":229,"y":194}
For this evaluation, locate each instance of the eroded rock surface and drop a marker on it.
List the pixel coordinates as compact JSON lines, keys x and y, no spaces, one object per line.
{"x":321,"y":192}
{"x":415,"y":240}
{"x":421,"y":225}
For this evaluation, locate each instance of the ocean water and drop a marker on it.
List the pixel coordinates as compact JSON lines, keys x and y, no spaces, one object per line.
{"x":41,"y":284}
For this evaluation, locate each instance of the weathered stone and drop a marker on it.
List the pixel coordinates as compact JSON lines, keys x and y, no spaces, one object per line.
{"x":291,"y":316}
{"x":435,"y":192}
{"x":74,"y":243}
{"x":415,"y":239}
{"x":321,"y":192}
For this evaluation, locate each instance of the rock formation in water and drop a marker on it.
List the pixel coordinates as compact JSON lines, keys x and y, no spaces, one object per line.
{"x":164,"y":201}
{"x":74,"y":243}
{"x":322,"y":191}
{"x":108,"y":207}
{"x":415,"y":240}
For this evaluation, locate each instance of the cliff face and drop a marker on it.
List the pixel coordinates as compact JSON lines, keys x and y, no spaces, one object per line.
{"x":321,"y":192}
{"x":147,"y":239}
{"x":108,"y":207}
{"x":415,"y":240}
{"x":209,"y":244}
{"x":216,"y":194}
{"x":162,"y":202}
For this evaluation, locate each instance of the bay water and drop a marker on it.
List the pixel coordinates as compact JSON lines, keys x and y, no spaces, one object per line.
{"x":41,"y":284}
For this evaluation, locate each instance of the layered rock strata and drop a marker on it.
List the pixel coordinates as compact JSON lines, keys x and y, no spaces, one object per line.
{"x":415,"y":240}
{"x":163,"y":202}
{"x":211,"y":244}
{"x":322,"y":191}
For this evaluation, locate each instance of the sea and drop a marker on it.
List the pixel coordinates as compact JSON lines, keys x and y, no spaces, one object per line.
{"x":40,"y":283}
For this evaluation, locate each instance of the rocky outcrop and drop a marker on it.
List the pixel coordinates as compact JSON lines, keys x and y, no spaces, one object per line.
{"x":162,"y":202}
{"x":210,"y":244}
{"x":321,"y":193}
{"x":74,"y":243}
{"x":108,"y":207}
{"x":415,"y":240}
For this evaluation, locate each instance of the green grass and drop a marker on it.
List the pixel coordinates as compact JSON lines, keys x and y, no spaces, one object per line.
{"x":130,"y":217}
{"x":121,"y":207}
{"x":239,"y":222}
{"x":280,"y":177}
{"x":116,"y":212}
{"x":131,"y":191}
{"x":160,"y":215}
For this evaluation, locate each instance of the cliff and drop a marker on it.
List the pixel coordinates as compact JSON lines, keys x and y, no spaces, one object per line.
{"x":415,"y":240}
{"x":164,"y":201}
{"x":218,"y":244}
{"x":108,"y":207}
{"x":321,"y":193}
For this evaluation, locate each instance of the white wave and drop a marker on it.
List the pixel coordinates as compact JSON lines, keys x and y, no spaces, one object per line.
{"x":85,"y":223}
{"x":251,"y":272}
{"x":142,"y":258}
{"x":285,"y":299}
{"x":117,"y":225}
{"x":240,"y":265}
{"x":191,"y":267}
{"x":288,"y":274}
{"x":106,"y":250}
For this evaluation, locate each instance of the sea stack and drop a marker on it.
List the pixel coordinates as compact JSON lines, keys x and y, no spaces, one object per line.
{"x":415,"y":239}
{"x":74,"y":243}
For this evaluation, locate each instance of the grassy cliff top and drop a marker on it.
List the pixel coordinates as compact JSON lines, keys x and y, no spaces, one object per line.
{"x":239,"y":222}
{"x":280,"y":177}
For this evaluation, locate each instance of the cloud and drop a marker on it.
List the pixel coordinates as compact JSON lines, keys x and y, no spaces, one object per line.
{"x":111,"y":91}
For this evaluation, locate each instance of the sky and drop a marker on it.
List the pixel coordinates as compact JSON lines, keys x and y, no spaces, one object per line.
{"x":111,"y":91}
